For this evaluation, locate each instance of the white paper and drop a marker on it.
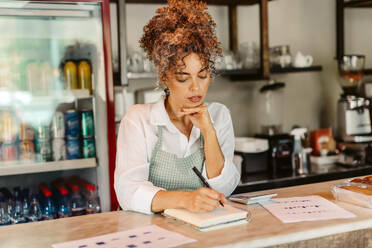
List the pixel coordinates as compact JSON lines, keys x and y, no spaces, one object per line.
{"x":307,"y":208}
{"x":148,"y":236}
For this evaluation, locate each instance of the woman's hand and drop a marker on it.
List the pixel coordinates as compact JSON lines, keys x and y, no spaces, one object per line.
{"x":199,"y":116}
{"x":203,"y":200}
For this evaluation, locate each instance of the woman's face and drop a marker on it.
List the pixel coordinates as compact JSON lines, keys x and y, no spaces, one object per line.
{"x":188,"y":84}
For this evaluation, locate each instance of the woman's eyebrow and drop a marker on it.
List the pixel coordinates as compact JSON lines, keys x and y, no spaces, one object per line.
{"x":203,"y":69}
{"x":181,"y":73}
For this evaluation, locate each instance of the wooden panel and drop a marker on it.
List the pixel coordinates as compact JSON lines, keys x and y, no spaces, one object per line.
{"x":358,"y":4}
{"x":233,"y":28}
{"x":340,"y":22}
{"x":360,"y":238}
{"x":210,"y":2}
{"x":264,"y":38}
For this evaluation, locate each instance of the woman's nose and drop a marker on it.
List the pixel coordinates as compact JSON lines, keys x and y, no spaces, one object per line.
{"x":194,"y":85}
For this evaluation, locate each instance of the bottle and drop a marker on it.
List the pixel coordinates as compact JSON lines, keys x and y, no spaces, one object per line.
{"x":77,"y":202}
{"x":34,"y":210}
{"x":48,"y":208}
{"x":85,"y":76}
{"x":90,"y":193}
{"x":64,"y":206}
{"x":71,"y":79}
{"x":300,"y":156}
{"x":25,"y":202}
{"x":4,"y":216}
{"x":17,"y":216}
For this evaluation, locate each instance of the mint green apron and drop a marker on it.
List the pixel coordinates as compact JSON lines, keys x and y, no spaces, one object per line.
{"x":172,"y":173}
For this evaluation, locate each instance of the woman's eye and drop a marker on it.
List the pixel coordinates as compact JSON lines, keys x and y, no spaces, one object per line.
{"x":181,"y":79}
{"x":203,"y":75}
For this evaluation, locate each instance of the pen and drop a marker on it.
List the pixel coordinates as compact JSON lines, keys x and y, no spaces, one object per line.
{"x":206,"y":184}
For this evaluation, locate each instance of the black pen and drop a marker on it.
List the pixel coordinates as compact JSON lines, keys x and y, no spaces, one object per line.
{"x":206,"y":184}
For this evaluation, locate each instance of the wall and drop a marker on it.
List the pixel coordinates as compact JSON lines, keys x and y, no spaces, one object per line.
{"x":307,"y":26}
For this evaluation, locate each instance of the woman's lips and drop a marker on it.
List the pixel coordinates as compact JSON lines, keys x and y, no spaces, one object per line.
{"x":195,"y":98}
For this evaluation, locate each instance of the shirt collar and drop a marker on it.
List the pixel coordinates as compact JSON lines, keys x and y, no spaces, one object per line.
{"x":160,"y":117}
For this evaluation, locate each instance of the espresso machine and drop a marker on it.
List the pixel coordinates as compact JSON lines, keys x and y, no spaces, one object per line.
{"x":354,"y":130}
{"x":354,"y":123}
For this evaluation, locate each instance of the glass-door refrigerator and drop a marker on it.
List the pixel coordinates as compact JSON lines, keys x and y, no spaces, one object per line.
{"x":57,"y":128}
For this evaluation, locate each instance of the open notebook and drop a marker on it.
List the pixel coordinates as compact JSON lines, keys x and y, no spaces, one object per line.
{"x":218,"y":218}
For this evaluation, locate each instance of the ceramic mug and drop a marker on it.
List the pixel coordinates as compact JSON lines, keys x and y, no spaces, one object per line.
{"x":303,"y":60}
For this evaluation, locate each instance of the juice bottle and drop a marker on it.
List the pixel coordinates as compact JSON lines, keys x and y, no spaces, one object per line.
{"x":85,"y":76}
{"x":70,"y":71}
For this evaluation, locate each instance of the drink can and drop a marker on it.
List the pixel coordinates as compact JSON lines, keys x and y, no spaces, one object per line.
{"x":27,"y":132}
{"x":72,"y":124}
{"x":59,"y":149}
{"x":9,"y":128}
{"x":58,"y":125}
{"x":43,"y":132}
{"x":43,"y":150}
{"x":89,"y":148}
{"x":87,"y":123}
{"x":73,"y":149}
{"x":9,"y":151}
{"x":26,"y":150}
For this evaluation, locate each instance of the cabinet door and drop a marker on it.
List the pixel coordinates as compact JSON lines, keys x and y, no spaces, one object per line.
{"x":56,"y":94}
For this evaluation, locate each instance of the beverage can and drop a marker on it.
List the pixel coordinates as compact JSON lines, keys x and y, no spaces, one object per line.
{"x":89,"y":148}
{"x":43,"y":131}
{"x":26,"y":150}
{"x":73,"y":149}
{"x":9,"y":151}
{"x":43,"y":151}
{"x":59,"y":149}
{"x":58,"y":125}
{"x":72,"y":124}
{"x":27,"y":132}
{"x":70,"y":72}
{"x":9,"y":126}
{"x":87,"y":123}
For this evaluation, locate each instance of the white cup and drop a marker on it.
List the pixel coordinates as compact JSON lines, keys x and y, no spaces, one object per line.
{"x":303,"y":60}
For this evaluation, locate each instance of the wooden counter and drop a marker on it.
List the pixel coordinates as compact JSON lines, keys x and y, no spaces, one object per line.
{"x":264,"y":229}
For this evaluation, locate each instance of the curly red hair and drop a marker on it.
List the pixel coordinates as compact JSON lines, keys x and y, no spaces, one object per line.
{"x":181,"y":28}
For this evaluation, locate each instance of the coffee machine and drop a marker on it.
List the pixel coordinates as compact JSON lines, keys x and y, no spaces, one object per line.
{"x":353,"y":115}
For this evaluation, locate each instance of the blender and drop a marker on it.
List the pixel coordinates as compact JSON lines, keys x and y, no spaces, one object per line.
{"x":353,"y":116}
{"x":272,"y":107}
{"x":280,"y":144}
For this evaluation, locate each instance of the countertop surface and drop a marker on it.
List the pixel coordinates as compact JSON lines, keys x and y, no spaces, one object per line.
{"x":263,"y":230}
{"x":319,"y":173}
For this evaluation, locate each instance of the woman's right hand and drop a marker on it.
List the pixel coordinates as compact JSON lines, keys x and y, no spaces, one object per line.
{"x":203,"y":200}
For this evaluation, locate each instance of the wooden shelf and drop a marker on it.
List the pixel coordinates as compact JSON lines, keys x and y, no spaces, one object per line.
{"x":237,"y":74}
{"x":209,"y":2}
{"x":20,"y":167}
{"x":358,"y":4}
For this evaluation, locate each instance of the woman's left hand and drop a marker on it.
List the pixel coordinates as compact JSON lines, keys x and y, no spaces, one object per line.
{"x":199,"y":116}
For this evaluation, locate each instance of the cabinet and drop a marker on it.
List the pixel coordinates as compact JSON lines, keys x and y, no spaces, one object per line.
{"x":38,"y":38}
{"x":341,"y":5}
{"x":240,"y":74}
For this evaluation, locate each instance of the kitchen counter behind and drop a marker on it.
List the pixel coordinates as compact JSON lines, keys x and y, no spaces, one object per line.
{"x":319,"y":173}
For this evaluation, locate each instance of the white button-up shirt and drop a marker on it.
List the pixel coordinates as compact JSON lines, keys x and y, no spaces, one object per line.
{"x":138,"y":134}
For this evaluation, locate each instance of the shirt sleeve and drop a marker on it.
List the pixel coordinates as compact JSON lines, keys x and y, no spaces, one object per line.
{"x":229,"y":178}
{"x":133,"y":190}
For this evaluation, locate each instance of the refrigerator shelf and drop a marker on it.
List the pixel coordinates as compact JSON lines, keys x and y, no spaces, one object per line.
{"x":19,"y":167}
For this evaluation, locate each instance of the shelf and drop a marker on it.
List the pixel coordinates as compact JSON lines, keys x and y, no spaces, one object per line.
{"x":358,"y":4}
{"x":19,"y":167}
{"x":209,"y":2}
{"x":238,"y":74}
{"x":367,"y":71}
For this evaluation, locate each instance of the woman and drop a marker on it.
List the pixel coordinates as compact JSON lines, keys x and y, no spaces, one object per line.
{"x":159,"y":143}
